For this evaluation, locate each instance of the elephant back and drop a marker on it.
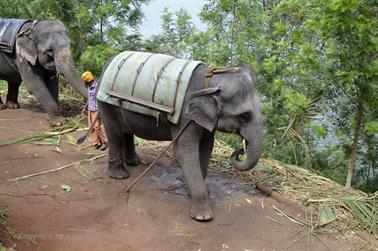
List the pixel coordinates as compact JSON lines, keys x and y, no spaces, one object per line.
{"x":8,"y":32}
{"x":147,"y":83}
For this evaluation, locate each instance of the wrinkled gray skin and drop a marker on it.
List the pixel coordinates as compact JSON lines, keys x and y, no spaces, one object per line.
{"x":39,"y":54}
{"x":235,"y":107}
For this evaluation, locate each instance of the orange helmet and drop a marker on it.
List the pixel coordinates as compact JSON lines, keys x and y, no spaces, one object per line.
{"x":87,"y":76}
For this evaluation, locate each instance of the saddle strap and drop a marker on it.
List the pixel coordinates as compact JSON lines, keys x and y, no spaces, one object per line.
{"x":218,"y":70}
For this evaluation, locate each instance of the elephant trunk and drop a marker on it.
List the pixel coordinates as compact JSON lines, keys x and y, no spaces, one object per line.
{"x":66,"y":66}
{"x":253,"y":151}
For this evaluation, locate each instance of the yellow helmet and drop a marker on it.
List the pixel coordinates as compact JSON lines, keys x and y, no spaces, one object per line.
{"x":87,"y":76}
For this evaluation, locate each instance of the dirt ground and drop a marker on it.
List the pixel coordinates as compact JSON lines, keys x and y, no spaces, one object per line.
{"x":153,"y":216}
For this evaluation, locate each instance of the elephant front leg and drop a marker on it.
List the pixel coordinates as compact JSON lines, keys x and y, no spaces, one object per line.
{"x":36,"y":85}
{"x":52,"y":85}
{"x":187,"y":154}
{"x":12,"y":96}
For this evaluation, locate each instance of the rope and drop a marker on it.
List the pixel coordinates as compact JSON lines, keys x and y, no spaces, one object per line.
{"x":154,"y":162}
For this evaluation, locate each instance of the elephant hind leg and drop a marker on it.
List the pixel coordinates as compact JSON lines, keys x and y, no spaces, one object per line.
{"x":116,"y":166}
{"x":12,"y":96}
{"x":116,"y":169}
{"x":129,"y":154}
{"x":2,"y":105}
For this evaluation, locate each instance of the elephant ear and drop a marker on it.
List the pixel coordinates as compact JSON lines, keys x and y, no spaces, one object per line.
{"x":26,"y":47}
{"x":203,"y":107}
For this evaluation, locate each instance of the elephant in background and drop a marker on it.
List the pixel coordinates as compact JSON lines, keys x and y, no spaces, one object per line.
{"x":230,"y":103}
{"x":42,"y":51}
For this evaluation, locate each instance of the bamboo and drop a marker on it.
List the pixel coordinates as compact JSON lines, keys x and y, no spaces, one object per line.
{"x":57,"y":169}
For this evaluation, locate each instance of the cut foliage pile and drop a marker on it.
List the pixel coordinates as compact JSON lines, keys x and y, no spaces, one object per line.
{"x":334,"y":206}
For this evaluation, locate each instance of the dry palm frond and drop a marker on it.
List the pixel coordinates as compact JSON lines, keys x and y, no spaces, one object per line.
{"x":50,"y":137}
{"x":337,"y":206}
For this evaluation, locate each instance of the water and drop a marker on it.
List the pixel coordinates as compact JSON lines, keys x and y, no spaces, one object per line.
{"x":155,"y":9}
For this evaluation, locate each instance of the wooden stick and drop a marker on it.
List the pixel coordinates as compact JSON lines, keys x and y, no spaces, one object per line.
{"x":278,"y":197}
{"x":57,"y":169}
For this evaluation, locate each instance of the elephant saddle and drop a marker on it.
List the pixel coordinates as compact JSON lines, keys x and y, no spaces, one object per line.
{"x":8,"y":32}
{"x":147,"y":83}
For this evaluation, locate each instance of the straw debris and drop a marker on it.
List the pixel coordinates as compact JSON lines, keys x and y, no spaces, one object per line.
{"x":53,"y":137}
{"x":336,"y":207}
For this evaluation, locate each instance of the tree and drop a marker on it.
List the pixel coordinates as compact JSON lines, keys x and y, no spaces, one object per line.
{"x":350,"y":47}
{"x":109,"y":25}
{"x":312,"y":57}
{"x":176,"y":36}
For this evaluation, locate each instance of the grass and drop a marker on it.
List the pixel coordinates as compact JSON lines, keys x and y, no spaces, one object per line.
{"x":6,"y":229}
{"x":3,"y":85}
{"x":334,"y":207}
{"x":3,"y":215}
{"x":2,"y":248}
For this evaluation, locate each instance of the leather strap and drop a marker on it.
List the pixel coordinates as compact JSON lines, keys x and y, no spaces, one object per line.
{"x":218,"y":70}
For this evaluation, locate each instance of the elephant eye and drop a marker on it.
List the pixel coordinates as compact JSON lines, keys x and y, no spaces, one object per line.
{"x":245,"y":117}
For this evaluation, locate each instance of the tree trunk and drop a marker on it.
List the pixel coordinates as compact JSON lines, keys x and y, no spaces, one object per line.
{"x":357,"y":131}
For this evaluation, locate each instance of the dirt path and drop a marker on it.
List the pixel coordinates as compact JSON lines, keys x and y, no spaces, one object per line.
{"x":153,"y":216}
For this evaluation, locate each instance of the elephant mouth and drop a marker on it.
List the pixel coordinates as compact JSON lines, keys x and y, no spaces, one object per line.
{"x":50,"y":65}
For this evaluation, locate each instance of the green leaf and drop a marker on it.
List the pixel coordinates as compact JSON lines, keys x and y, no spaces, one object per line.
{"x":66,"y":187}
{"x":326,"y":215}
{"x":371,"y":127}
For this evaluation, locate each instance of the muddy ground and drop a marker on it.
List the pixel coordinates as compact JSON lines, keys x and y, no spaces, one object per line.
{"x":153,"y":216}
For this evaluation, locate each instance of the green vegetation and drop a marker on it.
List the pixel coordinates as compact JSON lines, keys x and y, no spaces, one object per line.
{"x":316,"y":62}
{"x":4,"y":226}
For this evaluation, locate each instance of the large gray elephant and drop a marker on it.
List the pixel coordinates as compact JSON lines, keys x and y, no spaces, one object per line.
{"x":41,"y":51}
{"x":227,"y":102}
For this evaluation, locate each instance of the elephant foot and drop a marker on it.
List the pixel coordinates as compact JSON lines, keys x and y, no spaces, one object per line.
{"x":116,"y":170}
{"x":117,"y":173}
{"x":57,"y":121}
{"x":12,"y":105}
{"x":2,"y":106}
{"x":201,"y":211}
{"x":133,"y":162}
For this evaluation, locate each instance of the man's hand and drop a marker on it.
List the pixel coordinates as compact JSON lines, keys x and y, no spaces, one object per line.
{"x":84,"y":111}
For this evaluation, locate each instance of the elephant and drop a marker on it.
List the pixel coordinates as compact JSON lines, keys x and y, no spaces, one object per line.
{"x":228,"y":103}
{"x":42,"y":50}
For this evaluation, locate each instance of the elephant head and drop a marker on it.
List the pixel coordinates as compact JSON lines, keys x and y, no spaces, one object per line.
{"x":231,"y":104}
{"x":46,"y":43}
